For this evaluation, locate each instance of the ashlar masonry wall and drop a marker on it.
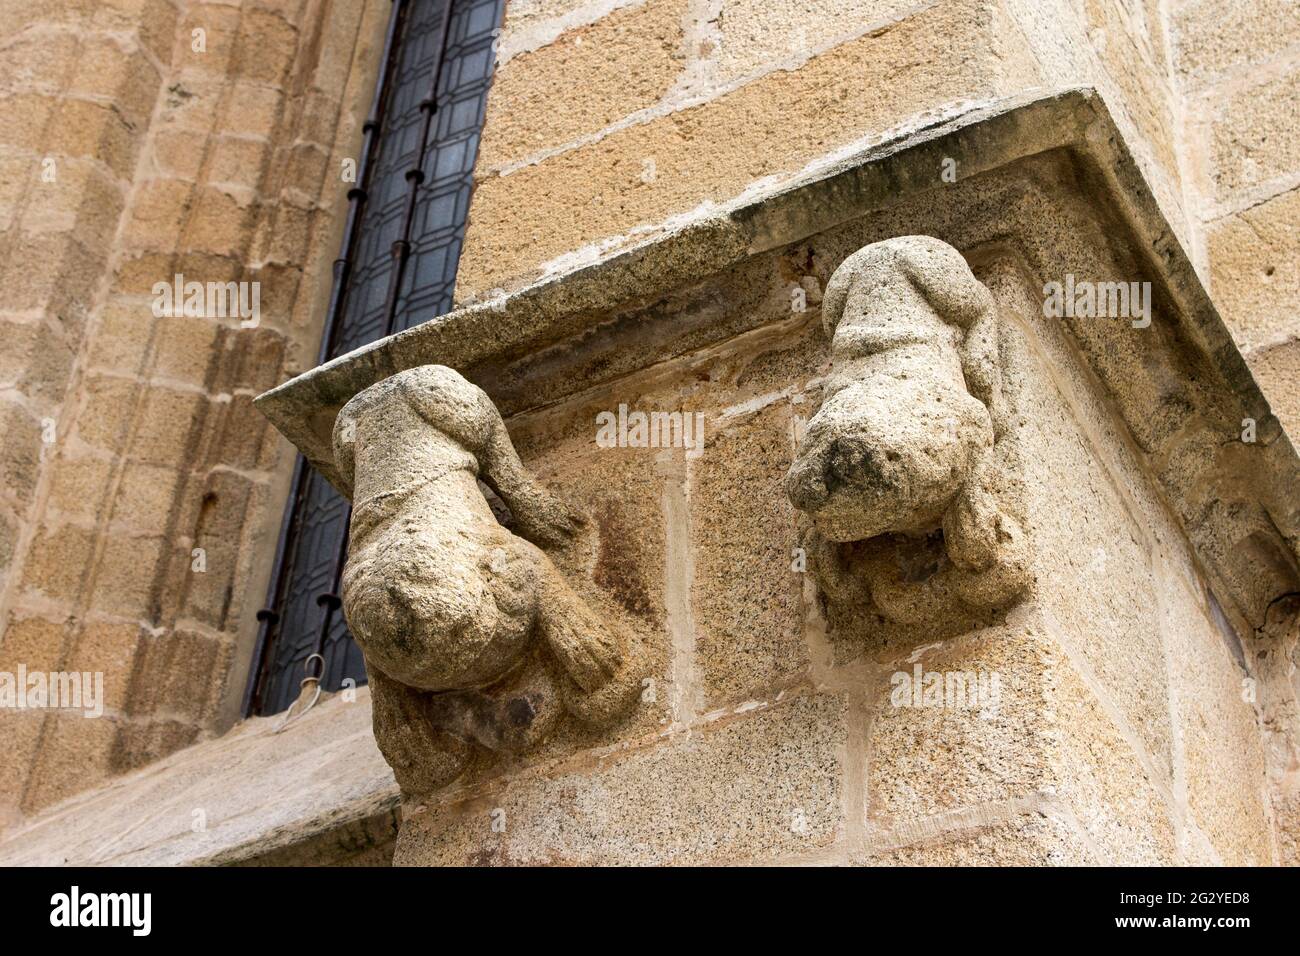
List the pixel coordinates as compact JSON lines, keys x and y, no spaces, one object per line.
{"x":145,"y":139}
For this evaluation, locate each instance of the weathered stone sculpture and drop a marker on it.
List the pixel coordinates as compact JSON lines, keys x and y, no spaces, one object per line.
{"x":473,"y":641}
{"x":908,"y":458}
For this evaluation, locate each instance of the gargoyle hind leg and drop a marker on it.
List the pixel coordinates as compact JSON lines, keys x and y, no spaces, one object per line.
{"x":985,"y":541}
{"x":598,"y":679}
{"x":986,"y":563}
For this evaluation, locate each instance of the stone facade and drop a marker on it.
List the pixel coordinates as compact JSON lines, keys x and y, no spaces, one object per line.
{"x":1128,"y":553}
{"x":148,"y":138}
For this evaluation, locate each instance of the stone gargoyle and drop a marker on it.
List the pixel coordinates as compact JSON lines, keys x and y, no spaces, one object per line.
{"x":908,"y":471}
{"x":474,"y":643}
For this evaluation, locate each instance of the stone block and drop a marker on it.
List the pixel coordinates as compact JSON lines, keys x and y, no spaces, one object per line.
{"x":756,"y":787}
{"x":1125,"y":808}
{"x":235,"y":161}
{"x":36,"y":643}
{"x":176,"y":675}
{"x":144,"y":741}
{"x":39,"y":61}
{"x":153,"y":21}
{"x":37,"y":361}
{"x":168,"y":425}
{"x":120,"y":342}
{"x":193,"y":101}
{"x":76,"y":753}
{"x":21,"y":732}
{"x":1224,"y":771}
{"x":1254,"y":139}
{"x":220,"y":223}
{"x":18,"y":174}
{"x":746,"y":594}
{"x":212,"y":52}
{"x":586,"y":79}
{"x":126,"y":576}
{"x":1127,"y":40}
{"x":755,"y":36}
{"x":81,"y":198}
{"x":23,"y":117}
{"x":9,"y":529}
{"x":1277,"y":370}
{"x":1030,"y":838}
{"x":107,"y":412}
{"x":158,"y":215}
{"x":1286,"y":814}
{"x":265,"y":47}
{"x":145,"y":497}
{"x":187,"y":348}
{"x":110,"y":649}
{"x":1255,"y":270}
{"x":105,"y":68}
{"x":1094,"y":567}
{"x":950,"y":52}
{"x":1042,"y":732}
{"x":64,"y":287}
{"x":180,"y":153}
{"x":528,"y":16}
{"x":250,"y":110}
{"x":258,"y":357}
{"x":90,"y":130}
{"x":1213,"y":40}
{"x":22,"y":452}
{"x":78,"y":484}
{"x":207,"y":595}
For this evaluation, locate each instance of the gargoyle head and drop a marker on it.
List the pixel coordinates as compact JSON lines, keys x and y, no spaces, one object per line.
{"x":911,"y":448}
{"x":873,"y":462}
{"x":899,"y":432}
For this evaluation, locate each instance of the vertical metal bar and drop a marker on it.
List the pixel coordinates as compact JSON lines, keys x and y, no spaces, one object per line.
{"x":358,"y":195}
{"x":332,"y":600}
{"x":401,"y":249}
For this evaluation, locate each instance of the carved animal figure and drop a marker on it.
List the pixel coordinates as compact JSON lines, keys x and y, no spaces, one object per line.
{"x":911,"y":436}
{"x":472,"y":638}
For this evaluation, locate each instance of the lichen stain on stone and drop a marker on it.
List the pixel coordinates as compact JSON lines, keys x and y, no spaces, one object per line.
{"x":617,"y":570}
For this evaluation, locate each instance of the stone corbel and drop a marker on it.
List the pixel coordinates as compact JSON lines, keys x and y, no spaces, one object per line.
{"x":474,"y":643}
{"x":908,"y":470}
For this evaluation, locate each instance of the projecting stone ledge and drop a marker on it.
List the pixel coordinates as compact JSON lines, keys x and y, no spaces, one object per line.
{"x":316,"y":793}
{"x":956,"y":572}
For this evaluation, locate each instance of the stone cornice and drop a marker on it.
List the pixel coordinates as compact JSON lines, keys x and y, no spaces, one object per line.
{"x":490,"y":341}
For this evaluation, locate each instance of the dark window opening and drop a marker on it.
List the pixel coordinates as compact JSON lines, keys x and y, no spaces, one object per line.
{"x":402,"y":244}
